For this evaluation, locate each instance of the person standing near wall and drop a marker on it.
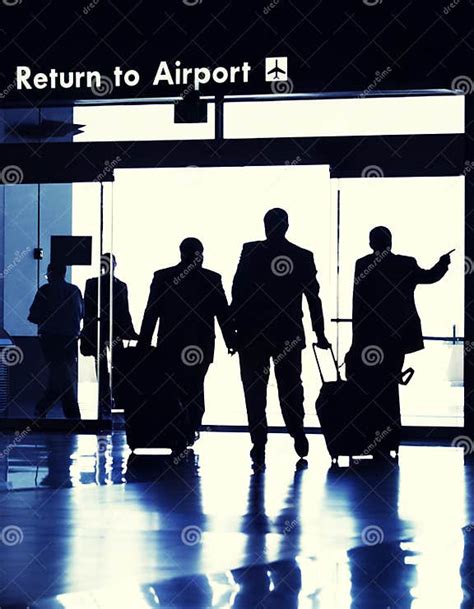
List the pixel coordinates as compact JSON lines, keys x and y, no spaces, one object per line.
{"x":57,"y":310}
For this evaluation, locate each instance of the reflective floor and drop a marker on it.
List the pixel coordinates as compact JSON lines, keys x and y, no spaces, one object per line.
{"x":84,"y":524}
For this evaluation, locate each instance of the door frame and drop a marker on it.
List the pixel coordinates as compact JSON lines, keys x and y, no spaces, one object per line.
{"x":422,"y":156}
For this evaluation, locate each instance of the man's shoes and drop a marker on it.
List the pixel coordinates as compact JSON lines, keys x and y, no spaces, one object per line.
{"x":257,"y":454}
{"x":301,"y":445}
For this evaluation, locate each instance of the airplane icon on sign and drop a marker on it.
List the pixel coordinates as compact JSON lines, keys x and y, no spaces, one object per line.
{"x":277,"y":71}
{"x":276,"y":68}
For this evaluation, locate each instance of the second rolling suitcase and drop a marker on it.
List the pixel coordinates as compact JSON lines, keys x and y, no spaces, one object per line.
{"x":153,"y":413}
{"x":353,"y":421}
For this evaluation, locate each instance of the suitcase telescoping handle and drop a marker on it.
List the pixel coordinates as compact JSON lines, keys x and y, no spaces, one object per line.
{"x":315,"y":351}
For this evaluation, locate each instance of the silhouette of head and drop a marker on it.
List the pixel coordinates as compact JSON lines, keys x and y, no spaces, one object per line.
{"x":276,"y":223}
{"x":107,"y":262}
{"x":380,"y":238}
{"x":56,"y":271}
{"x":191,"y":251}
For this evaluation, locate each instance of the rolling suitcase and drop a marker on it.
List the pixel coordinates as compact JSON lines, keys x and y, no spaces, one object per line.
{"x":344,"y":427}
{"x":376,"y":371}
{"x":352,"y":422}
{"x":150,"y":400}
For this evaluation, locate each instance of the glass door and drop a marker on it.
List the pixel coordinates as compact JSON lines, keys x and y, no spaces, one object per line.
{"x":92,"y":207}
{"x":155,"y":209}
{"x":36,"y":219}
{"x":426,"y":218}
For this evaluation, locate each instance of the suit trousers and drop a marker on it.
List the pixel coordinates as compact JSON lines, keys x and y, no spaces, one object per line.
{"x":254,"y":372}
{"x":189,"y":381}
{"x":104,"y":377}
{"x":60,"y":353}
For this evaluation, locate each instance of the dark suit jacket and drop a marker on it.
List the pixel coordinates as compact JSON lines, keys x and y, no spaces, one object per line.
{"x":268,"y":289}
{"x":57,"y":309}
{"x":122,"y":321}
{"x":384,"y":299}
{"x":186,"y":300}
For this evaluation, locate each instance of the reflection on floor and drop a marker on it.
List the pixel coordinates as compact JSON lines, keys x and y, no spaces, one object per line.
{"x":85,"y":524}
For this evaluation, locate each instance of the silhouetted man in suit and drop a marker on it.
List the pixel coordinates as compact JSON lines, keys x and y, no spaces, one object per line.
{"x":385,"y":322}
{"x":267,"y":293}
{"x":384,"y":293}
{"x":187,"y":299}
{"x":122,"y":327}
{"x":57,"y":309}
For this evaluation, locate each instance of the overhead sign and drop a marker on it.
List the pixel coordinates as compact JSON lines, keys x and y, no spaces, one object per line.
{"x":167,"y":73}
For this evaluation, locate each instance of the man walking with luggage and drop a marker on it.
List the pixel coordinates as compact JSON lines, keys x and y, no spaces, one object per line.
{"x":267,"y":293}
{"x":57,"y":309}
{"x":187,"y":299}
